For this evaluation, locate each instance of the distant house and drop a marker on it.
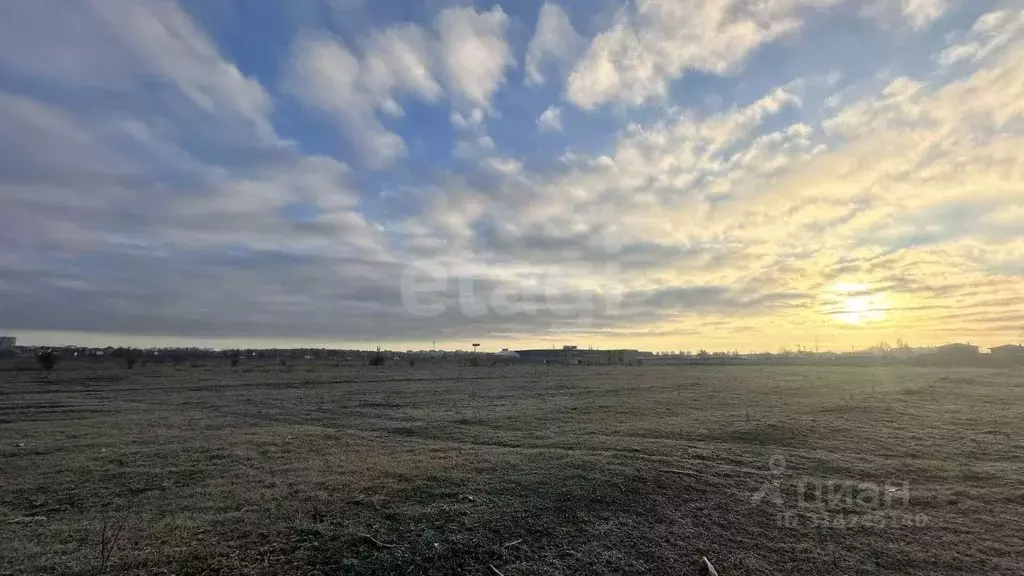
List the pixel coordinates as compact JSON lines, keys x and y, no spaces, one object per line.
{"x":1008,"y":351}
{"x":8,"y":342}
{"x":957,"y":351}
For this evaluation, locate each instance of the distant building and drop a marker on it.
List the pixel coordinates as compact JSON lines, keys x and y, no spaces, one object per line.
{"x":543,"y":355}
{"x":8,"y":342}
{"x":573,"y":355}
{"x":1008,"y":351}
{"x":908,"y":352}
{"x":615,"y":356}
{"x":957,"y":351}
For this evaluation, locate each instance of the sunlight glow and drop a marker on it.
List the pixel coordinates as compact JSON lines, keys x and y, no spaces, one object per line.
{"x":856,"y":304}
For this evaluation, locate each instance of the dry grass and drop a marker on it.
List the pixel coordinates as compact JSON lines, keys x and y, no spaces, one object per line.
{"x":533,"y":470}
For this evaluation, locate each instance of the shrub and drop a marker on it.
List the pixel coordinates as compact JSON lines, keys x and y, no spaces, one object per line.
{"x":378,"y":359}
{"x":47,"y":360}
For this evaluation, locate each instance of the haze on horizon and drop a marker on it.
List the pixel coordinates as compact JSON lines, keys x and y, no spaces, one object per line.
{"x":650,"y":174}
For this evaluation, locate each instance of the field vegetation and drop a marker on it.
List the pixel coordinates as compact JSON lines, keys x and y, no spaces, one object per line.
{"x":318,"y":468}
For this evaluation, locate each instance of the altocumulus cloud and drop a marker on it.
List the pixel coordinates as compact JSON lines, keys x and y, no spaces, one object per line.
{"x":665,"y":174}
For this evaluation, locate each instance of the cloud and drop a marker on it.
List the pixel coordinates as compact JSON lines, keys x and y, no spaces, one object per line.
{"x":36,"y":37}
{"x":168,"y":40}
{"x":992,"y":33}
{"x":400,"y":58}
{"x":470,"y":121}
{"x":555,"y":44}
{"x":158,"y":191}
{"x":472,"y":141}
{"x":44,"y":144}
{"x":652,"y":43}
{"x":152,"y":256}
{"x":504,"y":166}
{"x":325,"y":74}
{"x":625,"y":209}
{"x":122,"y":46}
{"x":469,"y":51}
{"x":921,"y":13}
{"x":551,"y":120}
{"x":471,"y":146}
{"x":474,"y":52}
{"x":917,"y":14}
{"x":158,"y":199}
{"x":909,"y":179}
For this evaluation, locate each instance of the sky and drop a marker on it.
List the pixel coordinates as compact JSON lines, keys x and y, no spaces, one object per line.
{"x":656,"y":174}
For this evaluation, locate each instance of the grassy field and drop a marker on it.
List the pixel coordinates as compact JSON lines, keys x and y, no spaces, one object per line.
{"x":523,"y":470}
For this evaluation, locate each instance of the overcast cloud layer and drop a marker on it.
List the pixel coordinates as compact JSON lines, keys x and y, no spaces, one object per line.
{"x":728,"y":174}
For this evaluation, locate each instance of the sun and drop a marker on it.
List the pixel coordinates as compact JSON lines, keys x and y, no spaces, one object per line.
{"x":856,"y":304}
